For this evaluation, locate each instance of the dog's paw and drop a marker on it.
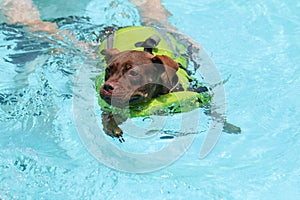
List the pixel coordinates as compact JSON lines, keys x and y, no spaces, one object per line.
{"x":110,"y":126}
{"x":115,"y":132}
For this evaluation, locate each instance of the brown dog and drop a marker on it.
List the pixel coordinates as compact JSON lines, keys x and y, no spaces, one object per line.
{"x":133,"y":77}
{"x":136,"y":76}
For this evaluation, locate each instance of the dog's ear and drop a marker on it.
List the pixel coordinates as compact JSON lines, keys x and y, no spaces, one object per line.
{"x":109,"y":54}
{"x":166,"y":64}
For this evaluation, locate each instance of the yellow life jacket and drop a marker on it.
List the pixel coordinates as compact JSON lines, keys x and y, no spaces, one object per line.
{"x":174,"y":102}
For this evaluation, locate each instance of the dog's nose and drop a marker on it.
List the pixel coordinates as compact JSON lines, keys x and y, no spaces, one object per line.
{"x":108,"y":87}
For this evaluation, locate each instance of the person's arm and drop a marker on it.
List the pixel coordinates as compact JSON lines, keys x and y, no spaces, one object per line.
{"x":153,"y":13}
{"x":25,"y":12}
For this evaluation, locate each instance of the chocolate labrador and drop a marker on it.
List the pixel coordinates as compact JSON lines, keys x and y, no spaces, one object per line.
{"x":133,"y":77}
{"x":137,"y":76}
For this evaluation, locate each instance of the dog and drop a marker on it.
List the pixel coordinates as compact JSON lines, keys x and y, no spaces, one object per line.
{"x":131,"y":77}
{"x":147,"y":76}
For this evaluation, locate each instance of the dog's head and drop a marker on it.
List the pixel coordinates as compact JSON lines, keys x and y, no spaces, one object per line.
{"x":133,"y":77}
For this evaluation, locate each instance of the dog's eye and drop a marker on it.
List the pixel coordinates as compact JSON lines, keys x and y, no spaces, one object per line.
{"x":107,"y":73}
{"x":133,"y":73}
{"x":107,"y":70}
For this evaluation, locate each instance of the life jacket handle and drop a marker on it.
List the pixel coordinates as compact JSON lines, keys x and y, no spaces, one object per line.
{"x":149,"y":43}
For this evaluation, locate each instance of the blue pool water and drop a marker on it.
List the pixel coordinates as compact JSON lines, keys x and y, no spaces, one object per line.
{"x":256,"y":44}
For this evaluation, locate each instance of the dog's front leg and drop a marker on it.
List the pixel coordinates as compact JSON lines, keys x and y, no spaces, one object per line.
{"x":111,"y":125}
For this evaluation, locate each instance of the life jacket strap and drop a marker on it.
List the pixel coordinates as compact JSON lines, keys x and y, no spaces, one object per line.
{"x":110,"y":41}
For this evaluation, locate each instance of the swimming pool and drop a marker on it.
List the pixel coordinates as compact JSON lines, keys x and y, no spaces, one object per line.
{"x":255,"y":44}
